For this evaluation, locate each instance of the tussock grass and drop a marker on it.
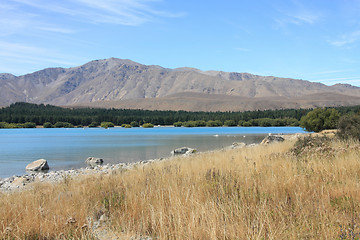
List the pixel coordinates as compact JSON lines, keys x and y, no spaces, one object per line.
{"x":261,"y":192}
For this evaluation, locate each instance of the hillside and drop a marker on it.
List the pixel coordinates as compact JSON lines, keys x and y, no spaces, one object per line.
{"x":127,"y":84}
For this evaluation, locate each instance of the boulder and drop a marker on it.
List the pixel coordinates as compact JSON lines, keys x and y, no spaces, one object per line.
{"x":183,"y":151}
{"x":38,"y":165}
{"x":93,"y":161}
{"x":238,"y":145}
{"x":272,"y":138}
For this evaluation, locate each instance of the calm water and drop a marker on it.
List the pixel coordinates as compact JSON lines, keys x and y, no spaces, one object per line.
{"x":68,"y":148}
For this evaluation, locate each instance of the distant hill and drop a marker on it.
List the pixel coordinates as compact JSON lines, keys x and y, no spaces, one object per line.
{"x":122,"y":83}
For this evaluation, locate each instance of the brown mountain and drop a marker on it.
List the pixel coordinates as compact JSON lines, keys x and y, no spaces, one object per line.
{"x":127,"y":84}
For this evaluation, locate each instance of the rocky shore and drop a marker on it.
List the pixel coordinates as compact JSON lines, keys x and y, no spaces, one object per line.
{"x":15,"y":183}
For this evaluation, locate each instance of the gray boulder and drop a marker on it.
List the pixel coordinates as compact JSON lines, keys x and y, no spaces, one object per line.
{"x":93,"y":161}
{"x":38,"y":165}
{"x":272,"y":138}
{"x":183,"y":151}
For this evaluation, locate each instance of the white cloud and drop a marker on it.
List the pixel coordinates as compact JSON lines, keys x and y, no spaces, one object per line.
{"x":346,"y":39}
{"x":34,"y":56}
{"x":122,"y":12}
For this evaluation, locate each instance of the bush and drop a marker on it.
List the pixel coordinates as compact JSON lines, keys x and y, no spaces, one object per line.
{"x":200,"y":123}
{"x":189,"y":124}
{"x":63,"y":125}
{"x":349,"y":127}
{"x":107,"y":125}
{"x":126,"y":125}
{"x":320,"y":119}
{"x":148,"y":125}
{"x":93,"y":124}
{"x":29,"y":125}
{"x":135,"y":124}
{"x":216,"y":123}
{"x":310,"y":145}
{"x":178,"y":124}
{"x":47,"y":125}
{"x":229,"y":123}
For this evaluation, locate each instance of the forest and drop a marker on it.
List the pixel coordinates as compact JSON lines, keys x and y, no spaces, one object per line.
{"x":25,"y":113}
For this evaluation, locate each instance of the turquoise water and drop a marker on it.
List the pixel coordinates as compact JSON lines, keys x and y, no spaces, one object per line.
{"x":69,"y":148}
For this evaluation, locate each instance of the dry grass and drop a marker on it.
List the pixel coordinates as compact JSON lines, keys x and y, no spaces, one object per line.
{"x":261,"y":192}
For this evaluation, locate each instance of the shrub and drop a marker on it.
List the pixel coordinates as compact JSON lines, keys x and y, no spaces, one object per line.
{"x":63,"y":125}
{"x":107,"y":124}
{"x":189,"y":124}
{"x":200,"y":123}
{"x":93,"y":124}
{"x":47,"y":125}
{"x":247,"y":124}
{"x":349,"y":127}
{"x":29,"y":125}
{"x":216,"y":123}
{"x":126,"y":125}
{"x":229,"y":123}
{"x":310,"y":145}
{"x":148,"y":125}
{"x":178,"y":124}
{"x":135,"y":124}
{"x":320,"y":119}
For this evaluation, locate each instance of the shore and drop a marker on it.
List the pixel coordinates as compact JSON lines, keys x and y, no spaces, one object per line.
{"x":267,"y":191}
{"x":19,"y":182}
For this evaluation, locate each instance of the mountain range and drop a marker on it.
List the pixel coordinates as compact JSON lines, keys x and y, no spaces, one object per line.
{"x":119,"y":83}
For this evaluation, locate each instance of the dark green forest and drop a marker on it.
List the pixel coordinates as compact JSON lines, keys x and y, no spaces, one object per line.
{"x":21,"y":113}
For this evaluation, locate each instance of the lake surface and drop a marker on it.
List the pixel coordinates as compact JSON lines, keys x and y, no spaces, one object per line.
{"x":69,"y":148}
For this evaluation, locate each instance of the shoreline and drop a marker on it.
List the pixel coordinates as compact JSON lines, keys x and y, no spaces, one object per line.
{"x":19,"y":182}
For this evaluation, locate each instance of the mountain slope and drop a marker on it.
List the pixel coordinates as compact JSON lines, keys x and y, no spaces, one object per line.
{"x":115,"y":81}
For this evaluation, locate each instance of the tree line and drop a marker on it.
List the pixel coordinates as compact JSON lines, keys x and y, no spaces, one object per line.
{"x":21,"y":113}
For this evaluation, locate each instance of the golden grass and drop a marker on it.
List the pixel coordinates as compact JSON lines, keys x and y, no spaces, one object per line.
{"x":261,"y":192}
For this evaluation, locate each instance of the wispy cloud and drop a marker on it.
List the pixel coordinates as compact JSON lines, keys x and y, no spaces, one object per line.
{"x":332,"y":71}
{"x":33,"y":55}
{"x":346,"y":39}
{"x":122,"y":12}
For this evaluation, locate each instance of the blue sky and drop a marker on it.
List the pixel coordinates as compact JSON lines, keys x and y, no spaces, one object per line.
{"x":303,"y":39}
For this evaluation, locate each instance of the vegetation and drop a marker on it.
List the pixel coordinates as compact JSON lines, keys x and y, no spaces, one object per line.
{"x":262,"y":192}
{"x":349,"y":127}
{"x":20,"y":113}
{"x":63,"y":125}
{"x":320,"y":119}
{"x":17,"y":125}
{"x":148,"y":125}
{"x":126,"y":126}
{"x":107,"y":125}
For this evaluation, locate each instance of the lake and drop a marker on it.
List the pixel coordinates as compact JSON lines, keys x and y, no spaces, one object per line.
{"x":69,"y":148}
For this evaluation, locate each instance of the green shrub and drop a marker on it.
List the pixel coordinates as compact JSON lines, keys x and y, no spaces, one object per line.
{"x":148,"y":125}
{"x":320,"y":119}
{"x":229,"y":123}
{"x":216,"y":123}
{"x":135,"y":124}
{"x":47,"y":125}
{"x":189,"y":124}
{"x":126,"y":125}
{"x":349,"y":127}
{"x":107,"y":125}
{"x":200,"y":123}
{"x":178,"y":124}
{"x":29,"y":125}
{"x":63,"y":125}
{"x":93,"y":124}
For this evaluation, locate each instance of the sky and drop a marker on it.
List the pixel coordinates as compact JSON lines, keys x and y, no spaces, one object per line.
{"x":315,"y":40}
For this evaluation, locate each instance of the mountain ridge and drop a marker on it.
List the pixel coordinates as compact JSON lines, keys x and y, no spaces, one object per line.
{"x":116,"y":80}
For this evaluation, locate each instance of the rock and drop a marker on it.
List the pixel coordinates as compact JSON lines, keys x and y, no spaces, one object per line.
{"x":272,"y":138}
{"x":38,"y":165}
{"x":238,"y":145}
{"x":93,"y":161}
{"x":183,"y":151}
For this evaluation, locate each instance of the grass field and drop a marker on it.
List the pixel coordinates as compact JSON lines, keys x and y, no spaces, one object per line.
{"x":260,"y":192}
